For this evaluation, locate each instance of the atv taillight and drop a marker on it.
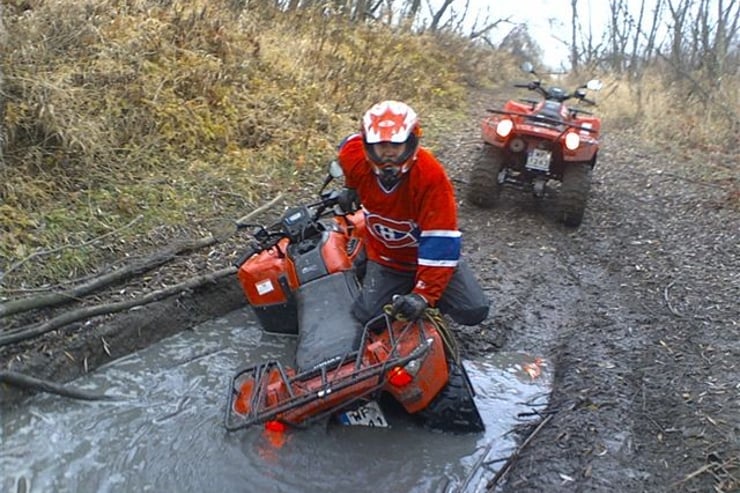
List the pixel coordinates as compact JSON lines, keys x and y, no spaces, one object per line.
{"x":275,"y":426}
{"x":572,"y":141}
{"x":504,"y":127}
{"x":399,"y":377}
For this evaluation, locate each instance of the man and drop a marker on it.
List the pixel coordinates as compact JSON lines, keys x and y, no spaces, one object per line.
{"x":413,"y":244}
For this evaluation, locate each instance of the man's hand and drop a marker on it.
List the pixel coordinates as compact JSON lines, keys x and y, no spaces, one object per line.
{"x":410,"y":306}
{"x":348,"y":200}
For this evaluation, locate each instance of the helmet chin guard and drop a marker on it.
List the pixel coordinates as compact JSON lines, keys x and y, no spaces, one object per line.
{"x":389,"y":176}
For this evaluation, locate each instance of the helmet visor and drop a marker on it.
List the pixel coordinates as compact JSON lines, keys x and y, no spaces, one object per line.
{"x":394,"y":154}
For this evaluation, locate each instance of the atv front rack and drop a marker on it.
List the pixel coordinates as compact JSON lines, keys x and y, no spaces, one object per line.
{"x":536,"y":118}
{"x":269,"y":391}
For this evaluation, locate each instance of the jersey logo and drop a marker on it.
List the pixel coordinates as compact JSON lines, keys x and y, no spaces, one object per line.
{"x":392,"y":234}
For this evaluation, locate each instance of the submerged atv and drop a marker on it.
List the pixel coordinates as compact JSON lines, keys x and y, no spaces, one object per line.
{"x":532,"y":144}
{"x":299,"y":277}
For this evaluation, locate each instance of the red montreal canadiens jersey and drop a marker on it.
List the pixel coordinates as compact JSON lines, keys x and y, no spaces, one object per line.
{"x":412,"y":227}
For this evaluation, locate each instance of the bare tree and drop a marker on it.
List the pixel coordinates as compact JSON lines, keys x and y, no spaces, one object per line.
{"x":618,"y":32}
{"x":2,"y":92}
{"x":715,"y":37}
{"x":679,"y":14}
{"x":574,"y":35}
{"x":521,"y":45}
{"x":439,"y":15}
{"x":652,"y":32}
{"x":413,"y":9}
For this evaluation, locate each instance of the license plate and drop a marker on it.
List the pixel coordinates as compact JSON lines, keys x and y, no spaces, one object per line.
{"x":539,"y":160}
{"x":369,"y":414}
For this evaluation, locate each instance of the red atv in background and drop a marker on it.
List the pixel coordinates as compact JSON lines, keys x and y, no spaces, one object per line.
{"x":532,"y":144}
{"x":300,"y":278}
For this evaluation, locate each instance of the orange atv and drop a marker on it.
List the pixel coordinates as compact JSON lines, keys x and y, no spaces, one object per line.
{"x":300,"y":278}
{"x":532,"y":144}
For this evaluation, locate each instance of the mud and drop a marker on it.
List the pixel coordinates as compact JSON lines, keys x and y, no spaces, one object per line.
{"x":637,"y":310}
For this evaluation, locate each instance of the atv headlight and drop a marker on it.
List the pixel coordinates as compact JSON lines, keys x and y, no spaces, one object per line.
{"x":504,"y":127}
{"x":572,"y":141}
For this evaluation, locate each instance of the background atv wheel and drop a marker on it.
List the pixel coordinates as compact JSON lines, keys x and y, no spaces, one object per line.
{"x":454,"y":408}
{"x":574,"y":193}
{"x":484,"y":187}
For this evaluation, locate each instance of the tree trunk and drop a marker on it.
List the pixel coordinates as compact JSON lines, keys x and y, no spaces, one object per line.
{"x":2,"y":91}
{"x":574,"y":36}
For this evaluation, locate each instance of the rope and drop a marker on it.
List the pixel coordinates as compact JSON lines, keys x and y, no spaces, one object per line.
{"x":433,"y":316}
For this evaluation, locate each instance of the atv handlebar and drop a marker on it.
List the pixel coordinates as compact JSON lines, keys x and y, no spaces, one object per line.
{"x":554,"y":93}
{"x":589,"y":101}
{"x":296,"y":223}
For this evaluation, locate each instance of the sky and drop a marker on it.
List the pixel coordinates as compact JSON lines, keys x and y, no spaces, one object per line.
{"x":548,"y":20}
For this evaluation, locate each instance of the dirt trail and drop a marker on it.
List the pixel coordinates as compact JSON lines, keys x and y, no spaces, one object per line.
{"x":637,"y":309}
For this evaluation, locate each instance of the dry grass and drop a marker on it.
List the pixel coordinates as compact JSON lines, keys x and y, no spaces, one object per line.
{"x":698,"y":124}
{"x":182,"y":112}
{"x":675,"y":113}
{"x":185,"y":111}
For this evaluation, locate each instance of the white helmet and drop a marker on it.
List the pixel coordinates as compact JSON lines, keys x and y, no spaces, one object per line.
{"x":391,"y":121}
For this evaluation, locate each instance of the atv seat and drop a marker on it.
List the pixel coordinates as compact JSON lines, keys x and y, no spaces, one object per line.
{"x":327,"y":328}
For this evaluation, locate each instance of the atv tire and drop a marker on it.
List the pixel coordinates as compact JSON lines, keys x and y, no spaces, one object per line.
{"x":454,"y":409}
{"x":484,"y":188}
{"x":574,"y":192}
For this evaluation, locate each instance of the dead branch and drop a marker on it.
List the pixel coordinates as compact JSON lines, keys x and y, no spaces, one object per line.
{"x":159,"y":258}
{"x":48,"y":300}
{"x":259,"y":209}
{"x":64,"y":247}
{"x":714,"y":468}
{"x":668,"y":301}
{"x":507,"y":465}
{"x":26,"y":382}
{"x":25,"y":333}
{"x":478,"y":464}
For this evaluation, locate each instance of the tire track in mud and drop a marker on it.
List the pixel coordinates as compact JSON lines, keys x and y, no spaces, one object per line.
{"x":620,"y":307}
{"x":551,"y":298}
{"x":550,"y":289}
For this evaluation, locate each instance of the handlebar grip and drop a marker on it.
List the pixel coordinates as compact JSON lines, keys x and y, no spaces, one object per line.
{"x":525,"y":86}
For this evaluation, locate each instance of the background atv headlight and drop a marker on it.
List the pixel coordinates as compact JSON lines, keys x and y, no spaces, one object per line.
{"x":504,"y":127}
{"x":572,"y":141}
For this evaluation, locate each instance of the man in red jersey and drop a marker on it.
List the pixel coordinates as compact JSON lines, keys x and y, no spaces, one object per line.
{"x":413,"y":244}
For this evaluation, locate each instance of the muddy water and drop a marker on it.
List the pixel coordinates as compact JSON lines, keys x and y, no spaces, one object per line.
{"x":166,"y":431}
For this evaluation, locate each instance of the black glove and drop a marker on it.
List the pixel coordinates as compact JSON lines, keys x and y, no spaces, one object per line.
{"x":410,"y":306}
{"x":348,"y":200}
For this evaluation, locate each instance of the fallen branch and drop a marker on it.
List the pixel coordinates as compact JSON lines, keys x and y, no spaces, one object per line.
{"x":478,"y":464}
{"x":259,"y":209}
{"x":26,"y":382}
{"x":159,"y":258}
{"x":668,"y":301}
{"x":48,"y":300}
{"x":64,"y":247}
{"x":510,"y":460}
{"x":712,"y":467}
{"x":25,"y":333}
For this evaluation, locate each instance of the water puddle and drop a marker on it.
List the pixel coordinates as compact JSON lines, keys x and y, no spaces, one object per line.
{"x":167,"y":430}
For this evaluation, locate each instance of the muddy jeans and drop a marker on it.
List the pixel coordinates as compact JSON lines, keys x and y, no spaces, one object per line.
{"x":463,"y":299}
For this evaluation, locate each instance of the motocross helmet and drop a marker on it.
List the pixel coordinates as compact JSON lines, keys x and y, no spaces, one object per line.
{"x":395,"y":122}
